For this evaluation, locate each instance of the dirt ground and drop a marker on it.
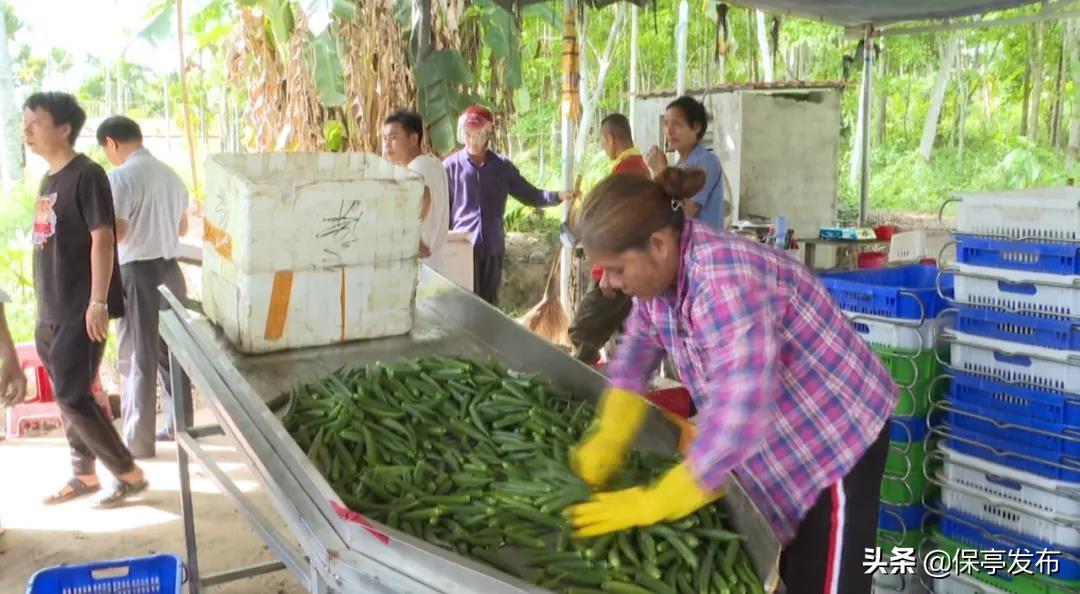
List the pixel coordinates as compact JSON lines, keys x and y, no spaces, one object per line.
{"x":37,"y":536}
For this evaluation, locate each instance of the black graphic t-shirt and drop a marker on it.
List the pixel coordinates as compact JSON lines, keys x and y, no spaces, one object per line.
{"x":71,"y":203}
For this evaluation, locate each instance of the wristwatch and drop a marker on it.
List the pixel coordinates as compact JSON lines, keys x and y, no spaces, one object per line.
{"x":99,"y":306}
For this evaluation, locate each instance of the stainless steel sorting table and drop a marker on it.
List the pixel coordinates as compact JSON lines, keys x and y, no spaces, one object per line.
{"x":327,"y":549}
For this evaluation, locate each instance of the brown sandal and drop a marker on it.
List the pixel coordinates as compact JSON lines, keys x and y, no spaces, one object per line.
{"x":73,"y":489}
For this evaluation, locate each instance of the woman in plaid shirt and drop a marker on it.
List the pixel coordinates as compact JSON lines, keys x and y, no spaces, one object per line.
{"x":788,"y":396}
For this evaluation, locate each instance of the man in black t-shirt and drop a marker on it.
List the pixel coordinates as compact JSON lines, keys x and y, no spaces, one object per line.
{"x":77,"y":283}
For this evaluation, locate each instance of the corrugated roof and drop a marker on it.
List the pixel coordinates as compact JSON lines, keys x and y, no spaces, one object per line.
{"x":751,"y":86}
{"x":881,"y":12}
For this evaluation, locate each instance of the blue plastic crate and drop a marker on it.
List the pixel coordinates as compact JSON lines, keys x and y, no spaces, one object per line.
{"x":907,"y":292}
{"x":1060,"y":467}
{"x":157,"y":574}
{"x":1048,"y":258}
{"x":1015,"y":402}
{"x":1060,"y":334}
{"x":997,"y":429}
{"x":969,"y":531}
{"x":897,"y":518}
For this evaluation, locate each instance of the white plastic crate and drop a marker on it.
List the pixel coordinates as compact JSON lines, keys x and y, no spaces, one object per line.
{"x":1044,"y":214}
{"x":1015,"y":363}
{"x":893,"y":333}
{"x":265,"y":312}
{"x":308,"y":211}
{"x":1011,"y":290}
{"x":914,"y":246}
{"x":1011,"y":517}
{"x":962,"y":584}
{"x":1048,"y":496}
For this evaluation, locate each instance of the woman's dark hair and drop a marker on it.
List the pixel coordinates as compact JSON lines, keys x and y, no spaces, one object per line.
{"x":63,"y":108}
{"x":624,"y":210}
{"x":694,"y":112}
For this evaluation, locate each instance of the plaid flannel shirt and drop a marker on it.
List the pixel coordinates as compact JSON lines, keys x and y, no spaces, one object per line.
{"x":789,"y":397}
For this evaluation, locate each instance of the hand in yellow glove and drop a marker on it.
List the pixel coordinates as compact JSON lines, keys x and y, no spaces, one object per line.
{"x":601,"y":453}
{"x":675,"y":495}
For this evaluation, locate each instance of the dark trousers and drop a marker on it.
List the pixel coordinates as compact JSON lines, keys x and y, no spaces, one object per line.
{"x":826,"y":556}
{"x":144,"y":357}
{"x":487,"y":275}
{"x":597,"y":318}
{"x":72,"y":361}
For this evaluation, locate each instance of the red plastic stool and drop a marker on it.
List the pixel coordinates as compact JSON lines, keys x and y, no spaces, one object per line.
{"x":42,"y":407}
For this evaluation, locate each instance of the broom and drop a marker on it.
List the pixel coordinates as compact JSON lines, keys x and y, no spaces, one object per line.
{"x":548,"y":319}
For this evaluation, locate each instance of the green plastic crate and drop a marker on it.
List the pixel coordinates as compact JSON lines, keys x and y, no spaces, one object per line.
{"x":905,"y":482}
{"x":909,"y":368}
{"x":887,"y":539}
{"x":914,"y":401}
{"x":1017,"y":584}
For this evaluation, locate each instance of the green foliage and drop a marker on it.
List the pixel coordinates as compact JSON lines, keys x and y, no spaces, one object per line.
{"x":329,"y":74}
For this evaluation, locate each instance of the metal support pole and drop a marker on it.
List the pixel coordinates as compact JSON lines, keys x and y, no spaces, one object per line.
{"x":633,"y":63}
{"x":187,"y":512}
{"x":682,"y":31}
{"x":570,"y":111}
{"x":864,"y":140}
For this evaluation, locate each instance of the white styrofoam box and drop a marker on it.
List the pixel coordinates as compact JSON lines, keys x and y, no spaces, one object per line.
{"x":306,"y":211}
{"x":962,"y":584}
{"x":1018,"y":291}
{"x":913,"y":246}
{"x":320,"y":306}
{"x":1048,"y":496}
{"x":1010,"y":517}
{"x":886,"y":583}
{"x":1046,"y":214}
{"x":893,"y":333}
{"x":455,"y":260}
{"x":1015,"y":363}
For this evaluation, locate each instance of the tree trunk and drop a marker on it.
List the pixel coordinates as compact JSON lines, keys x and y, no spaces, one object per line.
{"x":1025,"y":106}
{"x":185,"y":96}
{"x":1037,"y":76}
{"x":883,"y":101}
{"x":10,"y":139}
{"x":592,"y":94}
{"x":763,"y":46}
{"x":751,"y":46}
{"x":1055,"y":118}
{"x":937,"y":98}
{"x":1073,"y":150}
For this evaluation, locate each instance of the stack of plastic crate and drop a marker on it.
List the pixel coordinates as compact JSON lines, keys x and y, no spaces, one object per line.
{"x":894,"y":310}
{"x":1010,"y":448}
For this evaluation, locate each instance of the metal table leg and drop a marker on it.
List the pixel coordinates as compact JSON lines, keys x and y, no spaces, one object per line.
{"x":187,"y":513}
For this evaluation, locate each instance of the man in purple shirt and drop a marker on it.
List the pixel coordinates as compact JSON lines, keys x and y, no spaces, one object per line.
{"x":480,"y":181}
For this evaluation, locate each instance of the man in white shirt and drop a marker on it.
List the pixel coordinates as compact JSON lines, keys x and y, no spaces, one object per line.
{"x":403,"y":132}
{"x":151,"y":204}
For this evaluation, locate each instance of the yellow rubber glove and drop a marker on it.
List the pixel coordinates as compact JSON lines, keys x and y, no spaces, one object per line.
{"x":600,"y":454}
{"x":675,"y":495}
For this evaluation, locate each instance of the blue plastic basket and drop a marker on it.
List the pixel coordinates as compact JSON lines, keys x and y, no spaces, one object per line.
{"x":1016,"y":402}
{"x":1002,"y":430}
{"x":1048,"y":258}
{"x":969,"y":531}
{"x":1060,"y":334}
{"x":157,"y":574}
{"x":1021,"y":457}
{"x":897,"y":518}
{"x":907,"y":292}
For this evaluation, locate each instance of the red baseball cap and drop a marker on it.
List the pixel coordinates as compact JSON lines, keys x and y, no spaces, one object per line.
{"x":477,"y":117}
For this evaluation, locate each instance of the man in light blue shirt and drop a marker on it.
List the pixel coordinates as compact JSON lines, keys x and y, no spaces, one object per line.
{"x":685,"y":123}
{"x":150,"y":203}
